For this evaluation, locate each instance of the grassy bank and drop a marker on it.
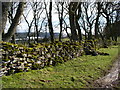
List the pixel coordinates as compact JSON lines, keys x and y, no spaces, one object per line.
{"x":76,"y":73}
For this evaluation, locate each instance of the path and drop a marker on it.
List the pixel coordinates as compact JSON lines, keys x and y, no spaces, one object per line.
{"x":108,"y":80}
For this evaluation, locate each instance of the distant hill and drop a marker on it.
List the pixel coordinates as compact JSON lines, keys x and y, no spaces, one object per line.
{"x":41,"y":35}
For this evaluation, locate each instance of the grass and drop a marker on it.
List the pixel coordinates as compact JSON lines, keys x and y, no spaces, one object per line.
{"x":63,"y":39}
{"x":119,"y":39}
{"x":77,"y":73}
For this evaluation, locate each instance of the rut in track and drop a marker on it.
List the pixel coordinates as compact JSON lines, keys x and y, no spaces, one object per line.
{"x":108,"y":80}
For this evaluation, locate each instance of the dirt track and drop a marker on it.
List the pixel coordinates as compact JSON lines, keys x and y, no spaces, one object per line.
{"x":111,"y":78}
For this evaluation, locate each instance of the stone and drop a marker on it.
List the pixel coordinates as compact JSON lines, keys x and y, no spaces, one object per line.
{"x":27,"y":69}
{"x":25,"y":62}
{"x":30,"y":64}
{"x":20,"y":55}
{"x":42,"y":65}
{"x":38,"y":62}
{"x":20,"y":67}
{"x":106,"y":54}
{"x":5,"y":72}
{"x":7,"y":62}
{"x":25,"y":55}
{"x":32,"y":60}
{"x":94,"y":53}
{"x":51,"y":62}
{"x":14,"y":61}
{"x":29,"y":55}
{"x":34,"y":53}
{"x":48,"y":55}
{"x":28,"y":60}
{"x":3,"y":69}
{"x":13,"y":65}
{"x":42,"y":57}
{"x":8,"y":69}
{"x":21,"y":59}
{"x":21,"y":48}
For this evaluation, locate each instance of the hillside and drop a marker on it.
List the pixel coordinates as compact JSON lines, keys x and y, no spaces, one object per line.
{"x":76,"y":73}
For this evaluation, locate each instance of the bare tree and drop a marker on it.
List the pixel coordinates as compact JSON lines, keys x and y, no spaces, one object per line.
{"x":29,"y":24}
{"x":97,"y":18}
{"x":83,"y":25}
{"x":78,"y":16}
{"x":65,"y":28}
{"x":37,"y":10}
{"x":60,"y":15}
{"x":5,"y":8}
{"x":0,"y":22}
{"x":106,"y":12}
{"x":11,"y":13}
{"x":15,"y":21}
{"x":116,"y":21}
{"x":88,"y":19}
{"x":72,"y":9}
{"x":49,"y":17}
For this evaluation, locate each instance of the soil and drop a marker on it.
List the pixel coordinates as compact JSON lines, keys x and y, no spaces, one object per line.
{"x":112,"y":79}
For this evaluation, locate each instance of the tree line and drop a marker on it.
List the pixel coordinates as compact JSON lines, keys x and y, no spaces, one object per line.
{"x":86,"y":20}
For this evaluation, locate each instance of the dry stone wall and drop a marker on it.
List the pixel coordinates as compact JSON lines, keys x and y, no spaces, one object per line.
{"x":18,"y":58}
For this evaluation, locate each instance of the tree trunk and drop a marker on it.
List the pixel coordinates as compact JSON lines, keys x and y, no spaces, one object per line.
{"x":67,"y":34}
{"x":96,"y":27}
{"x":15,"y":22}
{"x":60,"y":35}
{"x":0,"y":21}
{"x":61,"y":20}
{"x":5,"y":8}
{"x":13,"y":39}
{"x":72,"y":17}
{"x":29,"y":35}
{"x":97,"y":19}
{"x":90,"y":33}
{"x":78,"y":15}
{"x":37,"y":33}
{"x":108,"y":28}
{"x":79,"y":30}
{"x":50,"y":23}
{"x":1,"y":38}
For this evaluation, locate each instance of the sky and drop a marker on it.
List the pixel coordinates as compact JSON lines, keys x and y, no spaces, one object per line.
{"x":23,"y":27}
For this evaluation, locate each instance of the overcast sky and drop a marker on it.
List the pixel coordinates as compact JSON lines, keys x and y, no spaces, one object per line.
{"x":23,"y":27}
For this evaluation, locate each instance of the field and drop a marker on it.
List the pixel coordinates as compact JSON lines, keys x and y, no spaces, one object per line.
{"x":77,"y":73}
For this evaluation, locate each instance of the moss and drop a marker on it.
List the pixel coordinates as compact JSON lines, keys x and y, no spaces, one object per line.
{"x":76,"y":73}
{"x":4,"y":64}
{"x":50,"y":69}
{"x":36,"y":66}
{"x":6,"y":59}
{"x":59,"y":51}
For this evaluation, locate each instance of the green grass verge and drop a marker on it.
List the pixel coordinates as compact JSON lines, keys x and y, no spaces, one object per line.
{"x":76,"y":73}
